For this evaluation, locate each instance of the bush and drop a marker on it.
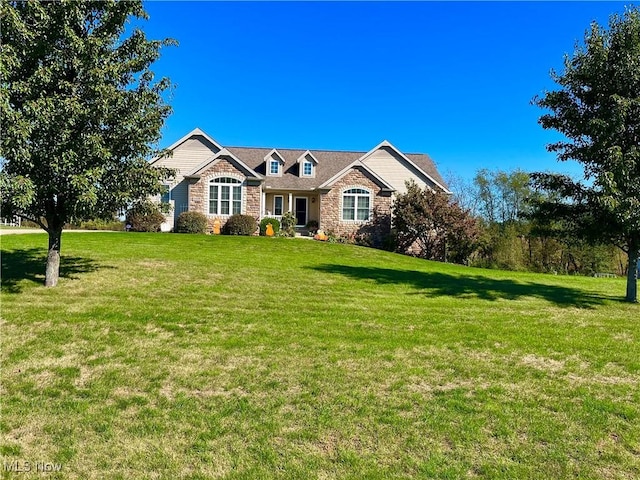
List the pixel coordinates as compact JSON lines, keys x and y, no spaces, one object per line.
{"x":289,"y":225}
{"x":240,"y":225}
{"x":191,"y":222}
{"x":145,"y":216}
{"x":312,"y":226}
{"x":116,"y":225}
{"x":275,"y":223}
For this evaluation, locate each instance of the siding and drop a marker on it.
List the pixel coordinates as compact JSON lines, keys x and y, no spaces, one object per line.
{"x":188,"y":155}
{"x":395,"y":169}
{"x":180,"y":196}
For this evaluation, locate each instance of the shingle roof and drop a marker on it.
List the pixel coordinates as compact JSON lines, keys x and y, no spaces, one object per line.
{"x":330,"y":162}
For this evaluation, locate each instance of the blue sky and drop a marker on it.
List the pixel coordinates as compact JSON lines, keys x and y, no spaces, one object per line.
{"x":450,"y":79}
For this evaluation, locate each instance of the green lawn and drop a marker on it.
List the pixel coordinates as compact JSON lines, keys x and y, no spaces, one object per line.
{"x":173,"y":356}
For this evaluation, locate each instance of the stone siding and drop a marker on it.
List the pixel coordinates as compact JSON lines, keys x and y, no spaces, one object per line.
{"x":198,"y":191}
{"x":331,"y":204}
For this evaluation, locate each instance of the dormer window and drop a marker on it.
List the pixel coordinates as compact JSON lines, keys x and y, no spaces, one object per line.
{"x":274,"y":163}
{"x":307,"y":168}
{"x":308,"y":164}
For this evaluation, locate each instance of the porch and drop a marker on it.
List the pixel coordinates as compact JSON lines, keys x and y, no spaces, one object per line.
{"x":305,"y":205}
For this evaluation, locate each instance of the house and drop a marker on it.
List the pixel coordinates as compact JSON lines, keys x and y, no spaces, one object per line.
{"x":339,"y":190}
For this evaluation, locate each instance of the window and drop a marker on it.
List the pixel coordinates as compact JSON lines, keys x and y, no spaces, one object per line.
{"x":307,"y":168}
{"x":277,"y":205}
{"x":274,"y":167}
{"x":355,"y":204}
{"x":165,"y":196}
{"x":225,"y":196}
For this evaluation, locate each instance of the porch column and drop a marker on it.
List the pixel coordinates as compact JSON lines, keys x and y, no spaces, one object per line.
{"x":263,"y":203}
{"x":290,"y":202}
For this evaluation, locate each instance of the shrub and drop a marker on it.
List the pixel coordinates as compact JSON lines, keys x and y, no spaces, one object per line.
{"x":289,"y":224}
{"x":312,"y":226}
{"x":275,"y":224}
{"x":145,"y":216}
{"x":116,"y":225}
{"x":191,"y":222}
{"x":240,"y":225}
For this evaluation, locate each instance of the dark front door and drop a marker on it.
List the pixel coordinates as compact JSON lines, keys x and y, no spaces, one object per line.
{"x":301,"y":210}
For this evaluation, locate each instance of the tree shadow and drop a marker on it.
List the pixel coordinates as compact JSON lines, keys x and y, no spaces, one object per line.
{"x":434,"y":284}
{"x":30,"y":263}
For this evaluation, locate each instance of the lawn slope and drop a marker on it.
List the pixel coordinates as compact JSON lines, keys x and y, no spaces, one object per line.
{"x":177,"y":356}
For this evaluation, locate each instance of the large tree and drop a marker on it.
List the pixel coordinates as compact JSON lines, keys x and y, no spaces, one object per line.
{"x":80,"y":110}
{"x":597,"y":109}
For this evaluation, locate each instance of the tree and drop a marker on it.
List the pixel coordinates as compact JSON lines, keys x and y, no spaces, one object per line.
{"x":502,"y":196}
{"x":429,"y":221}
{"x":80,"y":112}
{"x":597,"y":109}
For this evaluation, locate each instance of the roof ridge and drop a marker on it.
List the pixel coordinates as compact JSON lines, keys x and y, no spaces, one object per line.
{"x":299,"y":149}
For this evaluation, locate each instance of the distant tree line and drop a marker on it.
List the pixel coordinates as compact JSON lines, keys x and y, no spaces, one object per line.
{"x":514,"y":236}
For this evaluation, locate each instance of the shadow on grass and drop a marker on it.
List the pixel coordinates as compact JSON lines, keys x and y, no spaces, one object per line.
{"x":29,"y":264}
{"x":435,"y":284}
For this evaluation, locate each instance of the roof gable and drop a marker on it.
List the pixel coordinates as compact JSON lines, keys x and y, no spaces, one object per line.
{"x":357,"y":164}
{"x":433,"y":177}
{"x":224,"y":153}
{"x":193,"y":133}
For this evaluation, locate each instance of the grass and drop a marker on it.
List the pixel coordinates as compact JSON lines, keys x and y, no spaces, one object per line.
{"x":175,"y":356}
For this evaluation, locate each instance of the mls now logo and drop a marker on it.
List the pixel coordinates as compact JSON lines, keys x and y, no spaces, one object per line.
{"x":23,"y":467}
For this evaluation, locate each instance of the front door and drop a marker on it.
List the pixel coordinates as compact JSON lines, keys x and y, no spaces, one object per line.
{"x":301,"y":211}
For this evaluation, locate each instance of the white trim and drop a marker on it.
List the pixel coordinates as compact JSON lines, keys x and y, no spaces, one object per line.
{"x":271,"y":156}
{"x":195,"y":131}
{"x":216,"y":158}
{"x":354,"y":164}
{"x":387,"y":144}
{"x":210,"y":183}
{"x":355,"y":219}
{"x":281,"y":207}
{"x":303,"y":164}
{"x":307,"y":157}
{"x":306,"y":212}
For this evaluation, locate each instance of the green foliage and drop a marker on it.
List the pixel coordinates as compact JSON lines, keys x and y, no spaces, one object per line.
{"x":145,"y":216}
{"x":116,"y":225}
{"x":288,"y":224}
{"x":81,"y":112}
{"x":312,"y":226}
{"x":428,"y":225}
{"x":191,"y":222}
{"x":502,"y":196}
{"x":597,"y":109}
{"x":275,"y":224}
{"x":376,"y":232}
{"x":240,"y":225}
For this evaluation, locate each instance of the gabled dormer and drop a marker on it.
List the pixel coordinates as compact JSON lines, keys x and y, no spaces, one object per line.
{"x":274,"y":164}
{"x":307,"y":165}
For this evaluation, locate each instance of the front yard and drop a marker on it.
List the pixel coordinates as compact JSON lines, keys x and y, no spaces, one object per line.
{"x":176,"y":356}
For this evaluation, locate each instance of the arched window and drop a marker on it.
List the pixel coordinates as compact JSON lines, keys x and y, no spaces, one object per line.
{"x":356,"y":204}
{"x":225,"y":196}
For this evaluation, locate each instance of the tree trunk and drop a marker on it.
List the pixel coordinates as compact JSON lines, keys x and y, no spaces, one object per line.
{"x":632,"y":276}
{"x":53,"y":259}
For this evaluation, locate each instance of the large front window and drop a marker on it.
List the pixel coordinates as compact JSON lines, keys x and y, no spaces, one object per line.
{"x":355,"y":204}
{"x":225,"y":196}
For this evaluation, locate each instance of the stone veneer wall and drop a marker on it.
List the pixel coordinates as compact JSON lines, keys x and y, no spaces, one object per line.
{"x":198,"y":193}
{"x":331,"y":203}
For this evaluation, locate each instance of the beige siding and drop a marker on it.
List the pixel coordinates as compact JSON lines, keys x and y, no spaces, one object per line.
{"x":188,"y":155}
{"x":313,"y":204}
{"x":394,"y":169}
